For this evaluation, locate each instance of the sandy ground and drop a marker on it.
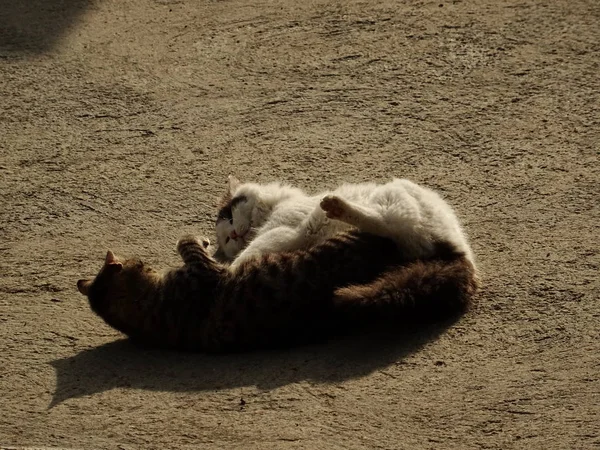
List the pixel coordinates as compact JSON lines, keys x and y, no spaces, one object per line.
{"x":119,"y":122}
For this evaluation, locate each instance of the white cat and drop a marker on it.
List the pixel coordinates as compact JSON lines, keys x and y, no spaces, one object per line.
{"x":258,"y":219}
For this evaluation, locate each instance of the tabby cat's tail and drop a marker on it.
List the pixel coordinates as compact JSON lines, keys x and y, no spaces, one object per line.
{"x":421,"y":290}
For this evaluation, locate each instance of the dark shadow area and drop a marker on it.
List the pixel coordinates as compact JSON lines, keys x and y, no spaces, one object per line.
{"x":123,"y":364}
{"x":34,"y":26}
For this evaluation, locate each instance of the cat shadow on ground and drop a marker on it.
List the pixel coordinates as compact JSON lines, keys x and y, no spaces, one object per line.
{"x":34,"y":26}
{"x":122,"y":364}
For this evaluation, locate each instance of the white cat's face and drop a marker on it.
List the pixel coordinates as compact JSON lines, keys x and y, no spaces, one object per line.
{"x":234,"y":225}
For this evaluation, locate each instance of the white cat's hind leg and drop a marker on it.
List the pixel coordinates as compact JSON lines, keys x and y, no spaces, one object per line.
{"x":387,"y":220}
{"x":362,"y":217}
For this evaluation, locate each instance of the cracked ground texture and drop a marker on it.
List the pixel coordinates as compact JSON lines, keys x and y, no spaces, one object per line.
{"x":119,"y":123}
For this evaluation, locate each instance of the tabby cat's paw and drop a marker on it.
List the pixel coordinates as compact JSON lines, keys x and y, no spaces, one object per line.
{"x":334,"y":207}
{"x":189,"y":239}
{"x":205,"y":242}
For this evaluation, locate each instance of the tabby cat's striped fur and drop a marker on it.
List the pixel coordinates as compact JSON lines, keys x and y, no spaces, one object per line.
{"x":279,"y":299}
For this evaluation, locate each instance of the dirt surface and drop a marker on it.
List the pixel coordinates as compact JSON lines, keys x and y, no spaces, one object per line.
{"x":119,"y":122}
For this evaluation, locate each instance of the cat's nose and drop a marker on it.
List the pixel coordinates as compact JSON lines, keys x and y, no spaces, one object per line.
{"x":233,"y":234}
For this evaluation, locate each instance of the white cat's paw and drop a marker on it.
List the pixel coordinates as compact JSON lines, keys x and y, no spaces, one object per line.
{"x":235,"y":265}
{"x":242,"y":258}
{"x":334,"y":207}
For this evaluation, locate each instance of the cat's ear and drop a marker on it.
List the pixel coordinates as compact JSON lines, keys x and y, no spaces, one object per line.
{"x":234,"y":183}
{"x":112,"y":261}
{"x":110,"y":258}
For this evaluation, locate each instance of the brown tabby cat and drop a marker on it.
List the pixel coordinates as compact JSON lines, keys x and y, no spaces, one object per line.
{"x":280,"y":299}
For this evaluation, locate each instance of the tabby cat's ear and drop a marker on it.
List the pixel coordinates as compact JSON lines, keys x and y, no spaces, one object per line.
{"x":112,"y":261}
{"x":234,"y":183}
{"x":110,"y":258}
